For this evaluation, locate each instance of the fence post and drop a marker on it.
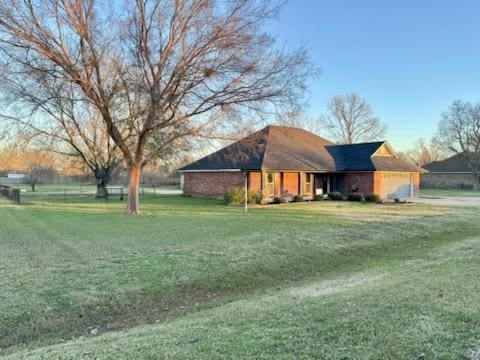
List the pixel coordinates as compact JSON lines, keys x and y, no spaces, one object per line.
{"x":121,"y":193}
{"x":65,"y":195}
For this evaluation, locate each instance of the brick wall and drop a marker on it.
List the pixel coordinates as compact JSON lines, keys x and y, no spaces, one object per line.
{"x":215,"y":184}
{"x":446,"y":181}
{"x":290,"y":183}
{"x":255,"y":181}
{"x":362,"y":182}
{"x":381,"y":182}
{"x":377,"y":183}
{"x":211,"y":184}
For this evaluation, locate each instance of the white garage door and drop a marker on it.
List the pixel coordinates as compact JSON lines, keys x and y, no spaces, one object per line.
{"x":397,"y":185}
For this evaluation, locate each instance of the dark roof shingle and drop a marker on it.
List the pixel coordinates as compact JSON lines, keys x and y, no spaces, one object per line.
{"x":245,"y":154}
{"x":361,"y":157}
{"x":272,"y":148}
{"x":354,"y":157}
{"x":287,"y":148}
{"x":296,"y":149}
{"x":456,"y":163}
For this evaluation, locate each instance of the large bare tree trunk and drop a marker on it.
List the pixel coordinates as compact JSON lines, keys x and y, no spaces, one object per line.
{"x":133,"y":207}
{"x":102,"y":191}
{"x":102,"y":177}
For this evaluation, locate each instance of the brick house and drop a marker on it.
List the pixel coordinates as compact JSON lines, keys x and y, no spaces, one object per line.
{"x":454,"y":172}
{"x":280,"y":160}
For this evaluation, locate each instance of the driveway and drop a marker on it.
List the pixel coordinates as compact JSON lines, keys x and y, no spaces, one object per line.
{"x":449,"y":200}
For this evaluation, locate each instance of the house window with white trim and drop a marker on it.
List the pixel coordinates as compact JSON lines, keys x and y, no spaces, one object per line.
{"x":270,"y":181}
{"x":307,"y":183}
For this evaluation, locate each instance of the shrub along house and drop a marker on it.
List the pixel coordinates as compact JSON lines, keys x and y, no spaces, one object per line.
{"x":281,"y":161}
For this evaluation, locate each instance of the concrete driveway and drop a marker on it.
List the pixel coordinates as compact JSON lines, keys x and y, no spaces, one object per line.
{"x":448,"y":200}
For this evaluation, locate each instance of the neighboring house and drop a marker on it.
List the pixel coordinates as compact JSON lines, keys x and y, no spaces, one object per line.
{"x":281,"y":160}
{"x":16,"y":176}
{"x":454,"y":172}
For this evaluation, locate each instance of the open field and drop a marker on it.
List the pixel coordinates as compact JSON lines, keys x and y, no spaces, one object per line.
{"x":449,"y":192}
{"x":192,"y":276}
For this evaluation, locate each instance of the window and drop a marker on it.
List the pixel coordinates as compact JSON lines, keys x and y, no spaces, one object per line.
{"x":307,"y":183}
{"x":270,"y":178}
{"x":269,"y":187}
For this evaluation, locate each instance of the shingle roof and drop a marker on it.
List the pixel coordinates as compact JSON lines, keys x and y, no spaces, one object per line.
{"x":391,"y":163}
{"x":272,"y":148}
{"x":245,"y":154}
{"x":456,"y":163}
{"x":361,"y":157}
{"x":287,"y":148}
{"x":354,"y":157}
{"x":296,"y":149}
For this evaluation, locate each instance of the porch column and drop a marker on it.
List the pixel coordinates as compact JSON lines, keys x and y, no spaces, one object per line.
{"x":300,"y":183}
{"x":263,"y":181}
{"x":277,"y":183}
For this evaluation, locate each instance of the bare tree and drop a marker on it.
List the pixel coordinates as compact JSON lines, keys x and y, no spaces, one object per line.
{"x":459,"y":133}
{"x":350,"y":119}
{"x":50,"y":114}
{"x":37,"y":166}
{"x":423,"y":152}
{"x":162,"y":68}
{"x":38,"y":173}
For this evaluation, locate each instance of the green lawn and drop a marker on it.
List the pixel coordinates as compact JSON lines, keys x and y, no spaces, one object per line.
{"x":449,"y":192}
{"x":311,"y":280}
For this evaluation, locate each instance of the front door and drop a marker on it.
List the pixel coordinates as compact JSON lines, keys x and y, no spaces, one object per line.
{"x":321,"y":184}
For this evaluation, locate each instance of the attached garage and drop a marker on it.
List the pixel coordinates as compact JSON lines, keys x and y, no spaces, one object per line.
{"x":397,"y":185}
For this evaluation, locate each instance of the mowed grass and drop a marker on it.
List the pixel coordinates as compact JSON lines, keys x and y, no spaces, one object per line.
{"x":449,"y":192}
{"x":193,"y":276}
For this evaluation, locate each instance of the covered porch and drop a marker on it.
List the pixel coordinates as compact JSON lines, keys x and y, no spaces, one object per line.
{"x":291,"y":183}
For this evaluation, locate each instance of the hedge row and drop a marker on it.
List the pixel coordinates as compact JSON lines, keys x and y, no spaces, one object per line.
{"x":237,"y":196}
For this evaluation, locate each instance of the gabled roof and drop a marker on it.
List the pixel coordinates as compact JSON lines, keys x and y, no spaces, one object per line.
{"x":456,"y":163}
{"x":288,"y":148}
{"x":354,"y":157}
{"x":364,"y":157}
